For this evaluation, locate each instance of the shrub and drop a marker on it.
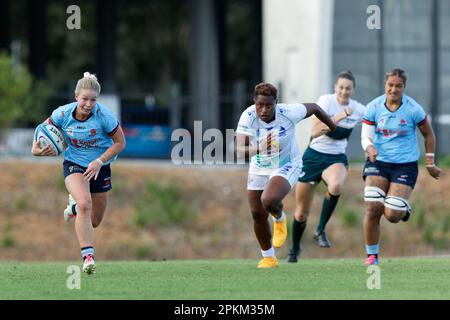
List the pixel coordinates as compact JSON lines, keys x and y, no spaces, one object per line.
{"x":160,"y":204}
{"x":22,"y":99}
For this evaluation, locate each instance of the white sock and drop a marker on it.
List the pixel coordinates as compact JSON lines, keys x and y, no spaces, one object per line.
{"x":268,"y":253}
{"x":283,"y":216}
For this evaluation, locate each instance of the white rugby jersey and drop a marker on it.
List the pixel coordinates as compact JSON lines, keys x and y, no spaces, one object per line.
{"x":282,"y":127}
{"x":330,"y":105}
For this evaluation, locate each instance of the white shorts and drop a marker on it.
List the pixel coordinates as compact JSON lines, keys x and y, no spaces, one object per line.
{"x":288,"y":171}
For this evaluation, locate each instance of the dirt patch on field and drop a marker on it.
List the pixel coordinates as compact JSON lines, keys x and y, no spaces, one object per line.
{"x":216,"y":222}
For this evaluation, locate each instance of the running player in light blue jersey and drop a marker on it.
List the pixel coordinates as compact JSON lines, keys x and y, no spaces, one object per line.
{"x":94,"y":139}
{"x":389,"y":139}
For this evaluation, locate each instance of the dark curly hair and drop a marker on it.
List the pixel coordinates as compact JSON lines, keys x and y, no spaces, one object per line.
{"x":265,"y":89}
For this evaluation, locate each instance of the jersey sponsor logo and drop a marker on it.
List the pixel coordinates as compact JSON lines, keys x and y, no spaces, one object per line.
{"x":70,"y":131}
{"x":385,"y":132}
{"x":390,"y":132}
{"x":86,"y":144}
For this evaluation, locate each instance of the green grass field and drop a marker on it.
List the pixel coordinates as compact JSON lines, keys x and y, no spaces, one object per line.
{"x":401,"y":278}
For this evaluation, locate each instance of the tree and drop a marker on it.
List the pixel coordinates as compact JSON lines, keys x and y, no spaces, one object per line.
{"x":21,"y":99}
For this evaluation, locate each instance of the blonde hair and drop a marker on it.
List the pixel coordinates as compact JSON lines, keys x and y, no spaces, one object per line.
{"x":89,"y":81}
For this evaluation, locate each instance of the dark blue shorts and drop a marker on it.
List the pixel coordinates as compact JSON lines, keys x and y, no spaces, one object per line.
{"x":103,"y":182}
{"x":402,"y":173}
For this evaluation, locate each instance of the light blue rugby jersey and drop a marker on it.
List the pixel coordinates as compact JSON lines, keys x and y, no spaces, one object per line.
{"x":395,"y":132}
{"x":87,"y":140}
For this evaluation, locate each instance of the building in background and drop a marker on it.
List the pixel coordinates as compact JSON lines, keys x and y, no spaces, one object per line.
{"x":200,"y":59}
{"x":306,"y":44}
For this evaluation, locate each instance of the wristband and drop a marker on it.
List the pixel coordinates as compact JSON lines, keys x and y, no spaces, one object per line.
{"x":430,"y":154}
{"x":99,"y":161}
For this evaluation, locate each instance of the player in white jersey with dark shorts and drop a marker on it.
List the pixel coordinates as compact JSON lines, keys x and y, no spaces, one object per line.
{"x":266,"y":133}
{"x":94,"y":138}
{"x":325,"y":159}
{"x":389,"y":139}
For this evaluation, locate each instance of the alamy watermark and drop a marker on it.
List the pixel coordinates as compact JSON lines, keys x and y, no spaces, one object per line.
{"x":374,"y":20}
{"x":211,"y":147}
{"x":74,"y":280}
{"x":374,"y":280}
{"x":73,"y":22}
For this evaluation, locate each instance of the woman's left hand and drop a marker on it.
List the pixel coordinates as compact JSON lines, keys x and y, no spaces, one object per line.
{"x":92,"y":170}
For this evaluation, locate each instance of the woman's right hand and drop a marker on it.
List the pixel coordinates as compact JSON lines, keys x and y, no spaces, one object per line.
{"x":346,"y":112}
{"x":269,"y":144}
{"x":36,"y":150}
{"x":371,"y":153}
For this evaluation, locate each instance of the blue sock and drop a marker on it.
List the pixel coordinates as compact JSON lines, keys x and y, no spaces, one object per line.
{"x":372,"y":250}
{"x":87,"y":251}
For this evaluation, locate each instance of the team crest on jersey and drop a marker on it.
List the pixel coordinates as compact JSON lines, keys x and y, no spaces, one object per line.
{"x":402,"y":122}
{"x":93,"y":132}
{"x":70,"y":131}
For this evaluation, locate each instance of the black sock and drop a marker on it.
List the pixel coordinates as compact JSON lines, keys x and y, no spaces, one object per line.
{"x":297,"y":233}
{"x":74,"y":209}
{"x":329,"y":203}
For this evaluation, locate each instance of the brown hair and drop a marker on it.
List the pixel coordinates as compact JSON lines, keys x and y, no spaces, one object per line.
{"x":397,"y":72}
{"x":347,"y":74}
{"x":265,"y":89}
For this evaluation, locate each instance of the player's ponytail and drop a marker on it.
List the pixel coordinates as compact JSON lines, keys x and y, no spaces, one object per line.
{"x":89,"y":81}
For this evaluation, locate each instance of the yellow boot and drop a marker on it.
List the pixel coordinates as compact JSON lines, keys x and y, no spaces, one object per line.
{"x":268,"y":262}
{"x":279,"y":232}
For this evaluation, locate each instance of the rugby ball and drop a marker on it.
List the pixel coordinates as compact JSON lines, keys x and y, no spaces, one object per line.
{"x":47,"y":134}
